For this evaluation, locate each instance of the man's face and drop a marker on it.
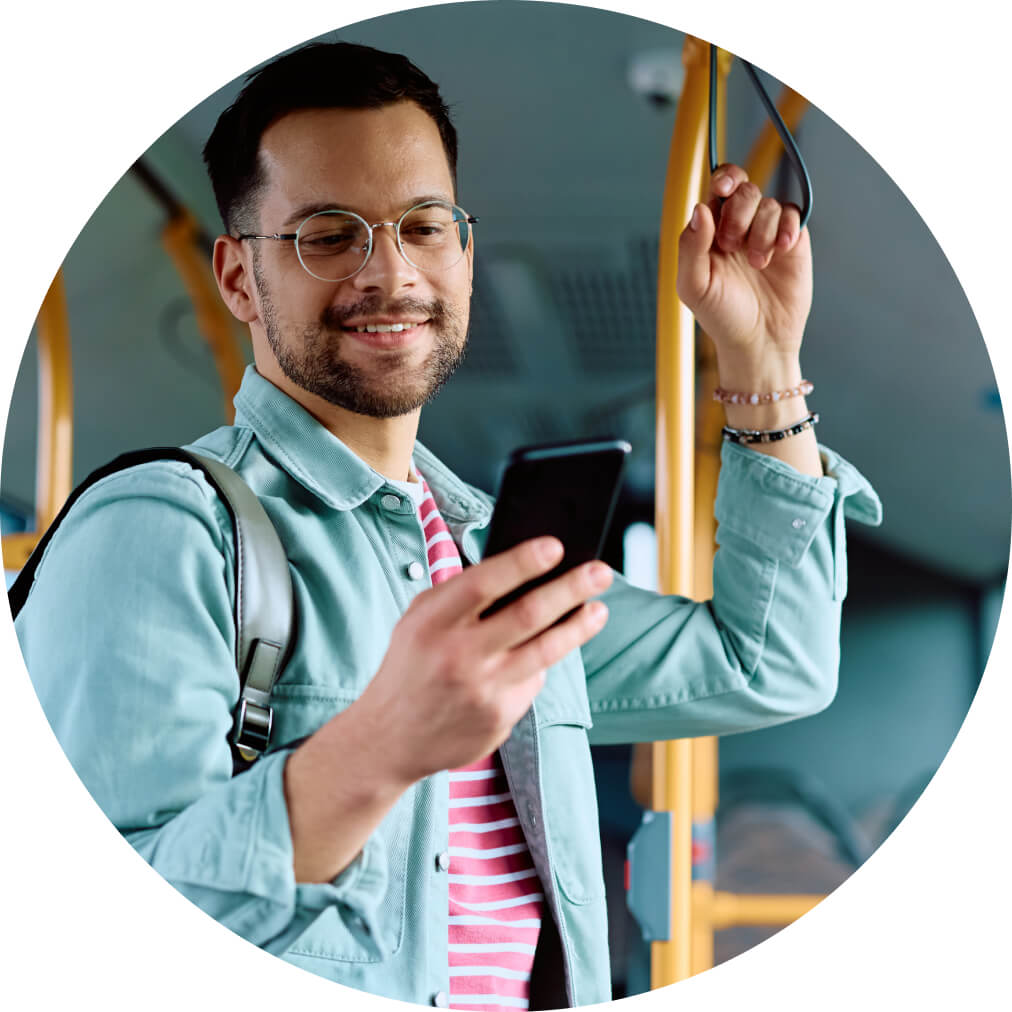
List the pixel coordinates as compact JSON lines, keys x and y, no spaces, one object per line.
{"x":376,"y":163}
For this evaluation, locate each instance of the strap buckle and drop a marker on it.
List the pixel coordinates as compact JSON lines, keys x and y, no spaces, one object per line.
{"x":252,"y":729}
{"x":255,"y":716}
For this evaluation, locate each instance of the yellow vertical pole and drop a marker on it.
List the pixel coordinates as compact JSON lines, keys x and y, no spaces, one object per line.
{"x":708,"y":423}
{"x":672,"y":761}
{"x":704,"y":750}
{"x":179,"y":238}
{"x":54,"y":469}
{"x":769,"y":148}
{"x":712,"y":910}
{"x":704,"y":807}
{"x":683,"y":776}
{"x":55,"y":441}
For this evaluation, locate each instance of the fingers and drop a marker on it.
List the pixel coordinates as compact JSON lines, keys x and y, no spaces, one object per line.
{"x":725,"y":180}
{"x":762,"y":235}
{"x":790,"y":227}
{"x":553,"y":644}
{"x":737,"y":215}
{"x":694,"y":244}
{"x":537,"y":609}
{"x":492,"y":643}
{"x":745,"y":221}
{"x":471,"y":592}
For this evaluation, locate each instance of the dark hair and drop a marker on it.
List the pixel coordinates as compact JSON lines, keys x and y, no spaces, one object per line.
{"x":320,"y":75}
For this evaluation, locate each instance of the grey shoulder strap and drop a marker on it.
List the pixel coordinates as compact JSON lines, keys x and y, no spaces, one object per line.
{"x":263,"y":607}
{"x":264,"y":604}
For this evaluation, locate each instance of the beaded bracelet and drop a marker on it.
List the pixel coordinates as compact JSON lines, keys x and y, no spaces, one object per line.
{"x":728,"y":397}
{"x":768,"y":435}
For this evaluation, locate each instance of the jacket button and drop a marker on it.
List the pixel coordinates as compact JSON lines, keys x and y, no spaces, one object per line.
{"x":390,"y":502}
{"x":443,"y":861}
{"x":416,"y":571}
{"x":532,"y":813}
{"x":440,"y":1000}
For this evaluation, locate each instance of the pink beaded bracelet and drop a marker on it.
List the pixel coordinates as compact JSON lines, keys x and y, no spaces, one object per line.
{"x":728,"y":397}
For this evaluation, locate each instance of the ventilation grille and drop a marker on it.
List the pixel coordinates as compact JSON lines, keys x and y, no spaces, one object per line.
{"x":604,"y":300}
{"x":611,"y":314}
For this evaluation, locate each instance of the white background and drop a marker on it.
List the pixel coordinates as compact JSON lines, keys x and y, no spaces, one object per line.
{"x":922,"y":87}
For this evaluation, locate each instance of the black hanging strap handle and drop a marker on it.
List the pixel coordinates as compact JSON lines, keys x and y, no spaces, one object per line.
{"x":790,"y":146}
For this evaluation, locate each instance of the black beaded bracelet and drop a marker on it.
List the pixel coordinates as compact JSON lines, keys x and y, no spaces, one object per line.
{"x":767,"y":435}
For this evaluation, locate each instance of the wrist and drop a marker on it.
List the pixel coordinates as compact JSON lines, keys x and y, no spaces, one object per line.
{"x":336,"y":794}
{"x":357,"y":757}
{"x":766,"y":416}
{"x":743,"y":374}
{"x":748,"y":373}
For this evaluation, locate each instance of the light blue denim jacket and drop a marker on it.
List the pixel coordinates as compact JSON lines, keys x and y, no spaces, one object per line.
{"x":140,"y":683}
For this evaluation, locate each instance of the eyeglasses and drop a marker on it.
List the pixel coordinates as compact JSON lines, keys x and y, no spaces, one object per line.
{"x":336,"y":245}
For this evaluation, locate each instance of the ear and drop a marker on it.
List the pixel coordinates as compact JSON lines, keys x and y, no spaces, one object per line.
{"x":234,"y":274}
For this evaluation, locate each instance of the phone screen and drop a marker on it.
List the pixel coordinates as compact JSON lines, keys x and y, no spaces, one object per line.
{"x":567,"y":490}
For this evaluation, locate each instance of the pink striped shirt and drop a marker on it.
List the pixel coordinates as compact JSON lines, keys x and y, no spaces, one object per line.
{"x":496,"y":902}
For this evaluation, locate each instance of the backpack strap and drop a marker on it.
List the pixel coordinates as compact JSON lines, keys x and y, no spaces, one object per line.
{"x":264,"y":605}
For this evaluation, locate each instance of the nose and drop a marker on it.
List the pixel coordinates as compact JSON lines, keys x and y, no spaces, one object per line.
{"x":386,"y":269}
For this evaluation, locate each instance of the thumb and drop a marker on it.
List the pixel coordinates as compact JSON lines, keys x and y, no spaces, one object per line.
{"x":694,"y":256}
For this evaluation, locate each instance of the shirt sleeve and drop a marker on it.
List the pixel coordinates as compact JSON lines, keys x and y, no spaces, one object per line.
{"x":128,"y":636}
{"x":766,"y":648}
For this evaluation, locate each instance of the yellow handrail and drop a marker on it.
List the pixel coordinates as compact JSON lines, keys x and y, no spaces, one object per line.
{"x":683,"y":775}
{"x":672,"y":761}
{"x":706,"y":469}
{"x":54,"y":478}
{"x":54,"y":454}
{"x":769,"y":148}
{"x":179,"y":239}
{"x":713,"y":911}
{"x":728,"y":910}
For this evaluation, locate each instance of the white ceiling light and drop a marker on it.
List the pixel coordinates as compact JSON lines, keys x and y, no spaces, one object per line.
{"x":657,"y":75}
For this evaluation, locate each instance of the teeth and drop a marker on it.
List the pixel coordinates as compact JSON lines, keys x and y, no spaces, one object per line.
{"x":383,"y":328}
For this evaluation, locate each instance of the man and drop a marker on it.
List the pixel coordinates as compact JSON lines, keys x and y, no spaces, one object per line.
{"x":434,"y":836}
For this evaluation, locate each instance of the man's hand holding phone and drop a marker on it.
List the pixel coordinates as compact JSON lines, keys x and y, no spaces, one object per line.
{"x":453,"y":684}
{"x":466,"y":659}
{"x":448,"y":692}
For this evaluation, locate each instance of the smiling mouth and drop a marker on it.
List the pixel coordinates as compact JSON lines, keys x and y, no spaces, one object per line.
{"x":386,"y":335}
{"x":385,"y":328}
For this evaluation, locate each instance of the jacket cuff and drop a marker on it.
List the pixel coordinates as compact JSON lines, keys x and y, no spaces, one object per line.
{"x":780,"y":510}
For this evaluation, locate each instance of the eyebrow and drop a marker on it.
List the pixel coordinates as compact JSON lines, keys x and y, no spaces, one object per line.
{"x":301,"y":213}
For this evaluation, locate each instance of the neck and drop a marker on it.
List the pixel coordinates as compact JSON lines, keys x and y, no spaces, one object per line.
{"x":385,"y":444}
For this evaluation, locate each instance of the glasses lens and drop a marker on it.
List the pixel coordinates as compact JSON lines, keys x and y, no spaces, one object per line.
{"x":434,"y":235}
{"x":332,"y":245}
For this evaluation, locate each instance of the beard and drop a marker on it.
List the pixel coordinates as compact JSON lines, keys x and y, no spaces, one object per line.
{"x":311,"y":358}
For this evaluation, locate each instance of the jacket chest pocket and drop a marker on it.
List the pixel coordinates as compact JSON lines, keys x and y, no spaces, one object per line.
{"x":300,"y":710}
{"x":567,"y":779}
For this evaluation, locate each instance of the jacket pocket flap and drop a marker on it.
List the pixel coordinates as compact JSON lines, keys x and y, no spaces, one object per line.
{"x":300,"y":710}
{"x":563,"y":700}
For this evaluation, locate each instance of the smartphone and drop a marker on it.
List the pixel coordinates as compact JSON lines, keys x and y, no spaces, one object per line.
{"x":567,"y":490}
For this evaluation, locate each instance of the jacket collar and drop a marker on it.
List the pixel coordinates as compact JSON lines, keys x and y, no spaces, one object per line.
{"x":319,"y":461}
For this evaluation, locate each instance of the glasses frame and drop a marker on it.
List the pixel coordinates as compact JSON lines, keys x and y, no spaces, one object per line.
{"x":395,"y":225}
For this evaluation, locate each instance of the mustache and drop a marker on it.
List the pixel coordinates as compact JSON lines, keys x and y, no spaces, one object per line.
{"x":335,"y":317}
